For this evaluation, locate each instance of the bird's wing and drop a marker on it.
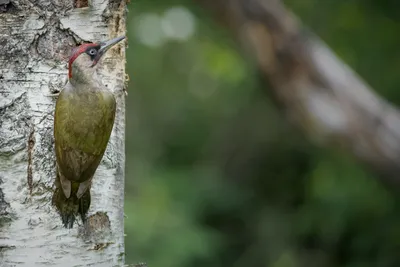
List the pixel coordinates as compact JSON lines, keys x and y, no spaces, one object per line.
{"x":82,"y":128}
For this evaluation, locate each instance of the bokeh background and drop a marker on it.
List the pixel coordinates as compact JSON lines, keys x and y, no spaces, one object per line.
{"x":216,"y":177}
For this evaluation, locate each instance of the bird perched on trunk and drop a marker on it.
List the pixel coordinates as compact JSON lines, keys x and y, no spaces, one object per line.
{"x":83,"y":121}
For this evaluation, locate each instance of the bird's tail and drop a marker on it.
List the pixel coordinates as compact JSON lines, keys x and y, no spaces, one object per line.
{"x":70,"y":208}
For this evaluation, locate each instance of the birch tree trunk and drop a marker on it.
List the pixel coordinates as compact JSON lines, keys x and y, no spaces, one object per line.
{"x":35,"y":40}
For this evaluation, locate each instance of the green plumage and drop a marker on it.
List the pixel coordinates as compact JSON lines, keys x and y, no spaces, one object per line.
{"x":83,"y":121}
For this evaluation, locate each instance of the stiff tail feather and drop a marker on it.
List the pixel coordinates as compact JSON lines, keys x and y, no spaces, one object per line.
{"x":70,"y":208}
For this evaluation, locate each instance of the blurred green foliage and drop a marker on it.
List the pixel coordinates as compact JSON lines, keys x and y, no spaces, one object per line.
{"x":216,"y":177}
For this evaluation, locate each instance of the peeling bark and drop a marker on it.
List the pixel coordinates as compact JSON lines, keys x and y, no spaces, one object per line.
{"x":35,"y":40}
{"x":316,"y":90}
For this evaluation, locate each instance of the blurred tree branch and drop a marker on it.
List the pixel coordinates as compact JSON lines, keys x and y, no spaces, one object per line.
{"x":316,"y":90}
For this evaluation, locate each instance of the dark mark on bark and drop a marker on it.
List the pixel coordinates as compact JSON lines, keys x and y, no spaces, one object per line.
{"x":126,"y":83}
{"x":3,"y":248}
{"x":6,"y":6}
{"x":81,"y":3}
{"x":31,"y":144}
{"x":4,"y":207}
{"x":101,"y":246}
{"x":117,"y":22}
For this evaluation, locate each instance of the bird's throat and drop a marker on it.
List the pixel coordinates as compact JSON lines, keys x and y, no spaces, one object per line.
{"x":79,"y":74}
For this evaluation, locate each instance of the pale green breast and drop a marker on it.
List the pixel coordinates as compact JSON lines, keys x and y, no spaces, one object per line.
{"x":84,"y":119}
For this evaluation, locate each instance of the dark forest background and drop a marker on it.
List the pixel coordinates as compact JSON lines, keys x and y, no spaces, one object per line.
{"x":215,"y":175}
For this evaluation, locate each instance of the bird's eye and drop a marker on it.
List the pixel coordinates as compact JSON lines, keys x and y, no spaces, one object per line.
{"x":92,"y":52}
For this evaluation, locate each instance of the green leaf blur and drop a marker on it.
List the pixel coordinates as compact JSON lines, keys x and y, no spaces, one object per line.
{"x":216,"y":177}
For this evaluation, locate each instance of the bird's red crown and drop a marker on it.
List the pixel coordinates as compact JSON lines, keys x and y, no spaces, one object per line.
{"x":76,"y":52}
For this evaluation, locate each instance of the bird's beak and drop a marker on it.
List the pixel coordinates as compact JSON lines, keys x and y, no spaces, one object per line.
{"x":104,"y":46}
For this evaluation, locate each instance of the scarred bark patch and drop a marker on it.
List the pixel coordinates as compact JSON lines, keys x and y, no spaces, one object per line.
{"x":6,"y":6}
{"x":81,"y":3}
{"x":4,"y":206}
{"x":31,"y":144}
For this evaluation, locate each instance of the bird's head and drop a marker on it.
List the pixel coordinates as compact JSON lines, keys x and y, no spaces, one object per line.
{"x":86,"y":56}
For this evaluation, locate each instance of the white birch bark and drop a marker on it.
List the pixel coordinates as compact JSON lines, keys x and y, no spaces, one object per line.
{"x":35,"y":41}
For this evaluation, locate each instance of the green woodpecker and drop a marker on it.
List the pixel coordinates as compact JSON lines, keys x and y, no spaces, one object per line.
{"x":83,"y":121}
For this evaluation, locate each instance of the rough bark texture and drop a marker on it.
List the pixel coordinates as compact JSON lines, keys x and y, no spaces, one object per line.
{"x":35,"y":42}
{"x":317,"y":91}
